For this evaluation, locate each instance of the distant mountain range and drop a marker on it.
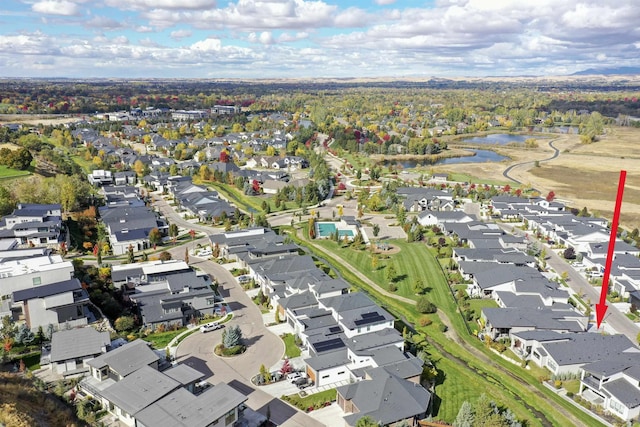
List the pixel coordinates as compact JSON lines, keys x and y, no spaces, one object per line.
{"x":608,"y":71}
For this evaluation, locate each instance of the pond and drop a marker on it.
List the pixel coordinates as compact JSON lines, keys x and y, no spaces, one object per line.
{"x":481,"y":156}
{"x":497,"y":138}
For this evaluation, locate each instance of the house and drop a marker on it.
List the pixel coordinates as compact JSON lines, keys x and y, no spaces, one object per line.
{"x":129,"y":226}
{"x":503,"y":322}
{"x":100,"y":177}
{"x":71,"y":349}
{"x":125,"y":178}
{"x":613,"y":384}
{"x":34,"y":225}
{"x":385,"y":398}
{"x":127,"y":383}
{"x":59,"y":303}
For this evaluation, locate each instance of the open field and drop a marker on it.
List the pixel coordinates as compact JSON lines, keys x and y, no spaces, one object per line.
{"x":582,"y":175}
{"x":36,"y":119}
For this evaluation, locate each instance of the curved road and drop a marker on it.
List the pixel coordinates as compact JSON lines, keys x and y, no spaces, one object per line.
{"x":556,"y":153}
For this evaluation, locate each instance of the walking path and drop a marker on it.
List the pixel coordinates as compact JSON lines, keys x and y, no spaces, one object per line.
{"x":508,"y":170}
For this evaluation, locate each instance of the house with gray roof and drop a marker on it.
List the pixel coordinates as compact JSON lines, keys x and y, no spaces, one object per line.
{"x":127,"y":383}
{"x":385,"y":397}
{"x":613,"y":384}
{"x":34,"y":225}
{"x":71,"y":349}
{"x":502,"y":322}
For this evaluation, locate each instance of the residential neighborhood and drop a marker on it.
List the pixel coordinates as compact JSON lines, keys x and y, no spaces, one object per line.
{"x":213,"y":275}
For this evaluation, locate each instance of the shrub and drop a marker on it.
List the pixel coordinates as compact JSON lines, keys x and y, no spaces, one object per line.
{"x":424,"y":321}
{"x":443,"y":328}
{"x":423,"y":305}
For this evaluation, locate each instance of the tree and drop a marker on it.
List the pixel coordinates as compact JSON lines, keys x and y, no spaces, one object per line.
{"x":465,"y":417}
{"x":164,"y":256}
{"x":366,"y":421}
{"x":155,"y":237}
{"x":173,"y":232}
{"x":340,"y":210}
{"x":124,"y":323}
{"x":374,"y":262}
{"x":418,"y":286}
{"x":23,"y":335}
{"x":286,"y":367}
{"x":186,"y":255}
{"x":569,"y":253}
{"x":192,"y":233}
{"x":139,"y":167}
{"x":550,"y":196}
{"x":423,"y":305}
{"x":376,"y":230}
{"x":130,"y":256}
{"x":391,"y":274}
{"x":232,"y":337}
{"x":312,"y":228}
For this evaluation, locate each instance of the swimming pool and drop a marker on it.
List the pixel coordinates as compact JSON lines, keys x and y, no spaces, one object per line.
{"x":325,"y":229}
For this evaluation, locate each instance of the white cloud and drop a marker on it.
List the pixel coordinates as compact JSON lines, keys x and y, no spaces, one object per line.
{"x":144,"y":29}
{"x":162,"y":4}
{"x":287,"y":37}
{"x":56,"y":7}
{"x":384,"y":2}
{"x":181,"y":34}
{"x":207,"y":45}
{"x":252,"y":15}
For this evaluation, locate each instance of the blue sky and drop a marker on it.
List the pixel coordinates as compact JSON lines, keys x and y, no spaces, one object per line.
{"x":319,"y":38}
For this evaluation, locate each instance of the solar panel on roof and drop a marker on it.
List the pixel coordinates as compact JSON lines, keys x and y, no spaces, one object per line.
{"x":335,"y":329}
{"x":369,"y":319}
{"x":332,"y":344}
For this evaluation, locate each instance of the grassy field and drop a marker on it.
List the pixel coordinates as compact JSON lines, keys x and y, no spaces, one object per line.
{"x":6,"y":173}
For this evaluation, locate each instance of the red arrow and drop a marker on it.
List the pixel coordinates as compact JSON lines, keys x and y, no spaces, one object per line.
{"x":601,"y":308}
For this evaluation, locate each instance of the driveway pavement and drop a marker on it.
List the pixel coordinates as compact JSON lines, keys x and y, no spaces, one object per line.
{"x":263,"y":347}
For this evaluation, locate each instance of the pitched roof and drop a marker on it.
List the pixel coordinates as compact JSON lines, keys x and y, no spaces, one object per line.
{"x":77,"y":343}
{"x":587,"y":347}
{"x":385,"y":398}
{"x":140,"y":389}
{"x":126,"y":359}
{"x":47,"y":290}
{"x":183,"y":409}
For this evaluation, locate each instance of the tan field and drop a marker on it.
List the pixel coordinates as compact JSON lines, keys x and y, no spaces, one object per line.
{"x":582,"y":175}
{"x":36,"y":119}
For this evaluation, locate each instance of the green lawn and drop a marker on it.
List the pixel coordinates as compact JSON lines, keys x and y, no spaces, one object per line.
{"x":7,"y":173}
{"x":161,"y":339}
{"x":311,"y":400}
{"x":290,"y":348}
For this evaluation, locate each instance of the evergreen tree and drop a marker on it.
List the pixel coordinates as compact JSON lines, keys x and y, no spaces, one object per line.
{"x":232,"y":337}
{"x":465,"y":417}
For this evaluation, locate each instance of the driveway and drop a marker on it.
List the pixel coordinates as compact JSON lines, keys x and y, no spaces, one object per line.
{"x":263,"y":347}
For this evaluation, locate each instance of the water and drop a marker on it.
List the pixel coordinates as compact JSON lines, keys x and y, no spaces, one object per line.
{"x":481,"y":156}
{"x":496,"y":138}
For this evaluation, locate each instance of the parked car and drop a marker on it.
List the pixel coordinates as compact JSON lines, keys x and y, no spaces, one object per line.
{"x":293,"y":376}
{"x":204,"y":253}
{"x":244,"y":279}
{"x":300,"y":381}
{"x":306,"y":385}
{"x":207,"y":327}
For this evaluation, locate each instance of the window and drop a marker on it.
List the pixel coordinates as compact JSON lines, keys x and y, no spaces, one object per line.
{"x":325,"y":376}
{"x":341,"y":372}
{"x":37,"y":281}
{"x":230,"y":417}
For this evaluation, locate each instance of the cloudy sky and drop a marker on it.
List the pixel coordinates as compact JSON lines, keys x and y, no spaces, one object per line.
{"x":314,"y":38}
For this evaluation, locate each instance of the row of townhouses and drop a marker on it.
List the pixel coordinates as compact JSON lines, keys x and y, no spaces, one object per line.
{"x":350,"y":339}
{"x":533,"y":312}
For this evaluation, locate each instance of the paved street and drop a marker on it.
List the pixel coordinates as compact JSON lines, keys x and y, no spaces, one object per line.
{"x":614,"y":318}
{"x":263,"y":347}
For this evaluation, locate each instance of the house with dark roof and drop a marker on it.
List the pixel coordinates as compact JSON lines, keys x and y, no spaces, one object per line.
{"x":168,"y":293}
{"x":503,"y":322}
{"x":613,"y":384}
{"x":384,"y":397}
{"x":130,"y":226}
{"x":34,"y":225}
{"x":58,"y":303}
{"x":127,"y":383}
{"x":71,"y":349}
